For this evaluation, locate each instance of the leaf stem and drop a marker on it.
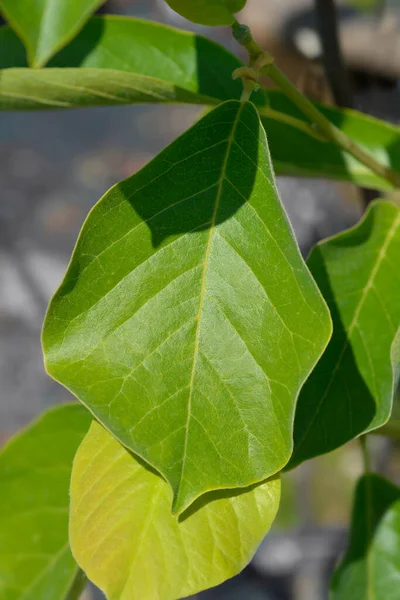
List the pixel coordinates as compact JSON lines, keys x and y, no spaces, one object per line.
{"x":276,"y":115}
{"x":262,"y":63}
{"x":365,"y":454}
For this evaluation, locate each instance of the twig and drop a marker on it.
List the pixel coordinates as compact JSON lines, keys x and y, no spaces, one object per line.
{"x":261,"y":62}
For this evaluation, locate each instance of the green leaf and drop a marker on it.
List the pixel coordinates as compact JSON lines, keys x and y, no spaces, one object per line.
{"x":27,"y":89}
{"x":118,"y":60}
{"x":187,"y":321}
{"x":35,"y":470}
{"x":125,"y":538}
{"x":370,"y":569}
{"x":296,"y":153}
{"x":45,"y":26}
{"x":351,"y":389}
{"x":208,"y":12}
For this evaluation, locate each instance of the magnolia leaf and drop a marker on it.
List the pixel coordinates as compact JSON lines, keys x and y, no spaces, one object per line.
{"x":35,"y":470}
{"x":371,"y":566}
{"x":129,"y":544}
{"x":351,"y":389}
{"x":187,"y":321}
{"x":208,"y":12}
{"x":45,"y":26}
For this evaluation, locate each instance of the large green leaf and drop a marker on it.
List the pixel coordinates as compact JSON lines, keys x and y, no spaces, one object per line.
{"x":208,"y":12}
{"x":45,"y":26}
{"x":124,"y":536}
{"x":370,"y":569}
{"x":187,"y":321}
{"x":35,"y":470}
{"x":351,"y":389}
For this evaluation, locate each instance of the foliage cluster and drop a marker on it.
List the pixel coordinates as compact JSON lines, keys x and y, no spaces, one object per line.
{"x":207,"y":355}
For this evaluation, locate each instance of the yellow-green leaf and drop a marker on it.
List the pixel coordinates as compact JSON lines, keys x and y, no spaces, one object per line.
{"x":125,"y":538}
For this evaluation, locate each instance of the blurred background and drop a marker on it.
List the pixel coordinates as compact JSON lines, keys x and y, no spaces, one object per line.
{"x":55,"y":165}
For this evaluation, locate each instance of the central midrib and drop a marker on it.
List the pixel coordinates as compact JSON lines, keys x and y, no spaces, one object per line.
{"x":203,"y":288}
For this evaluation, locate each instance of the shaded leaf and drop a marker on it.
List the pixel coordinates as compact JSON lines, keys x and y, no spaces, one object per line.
{"x":45,"y":26}
{"x":35,"y":470}
{"x":351,"y":389}
{"x":370,"y":569}
{"x":296,"y":153}
{"x":208,"y":12}
{"x":130,"y":545}
{"x":187,"y":321}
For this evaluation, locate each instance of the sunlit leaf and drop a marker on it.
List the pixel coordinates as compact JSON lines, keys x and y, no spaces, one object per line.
{"x":35,"y":470}
{"x":351,"y":389}
{"x":370,"y":569}
{"x":45,"y":26}
{"x":187,"y":321}
{"x":130,"y":545}
{"x":208,"y":12}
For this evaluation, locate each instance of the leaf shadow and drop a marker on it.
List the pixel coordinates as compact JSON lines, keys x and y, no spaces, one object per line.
{"x":206,"y":176}
{"x":75,"y":53}
{"x":206,"y":498}
{"x":335,"y":404}
{"x":215,"y":495}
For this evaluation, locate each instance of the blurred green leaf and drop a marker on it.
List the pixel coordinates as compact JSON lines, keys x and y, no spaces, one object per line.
{"x":208,"y":12}
{"x":153,"y":328}
{"x":130,"y":545}
{"x":351,"y":389}
{"x":45,"y":26}
{"x":35,"y":470}
{"x":370,"y":568}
